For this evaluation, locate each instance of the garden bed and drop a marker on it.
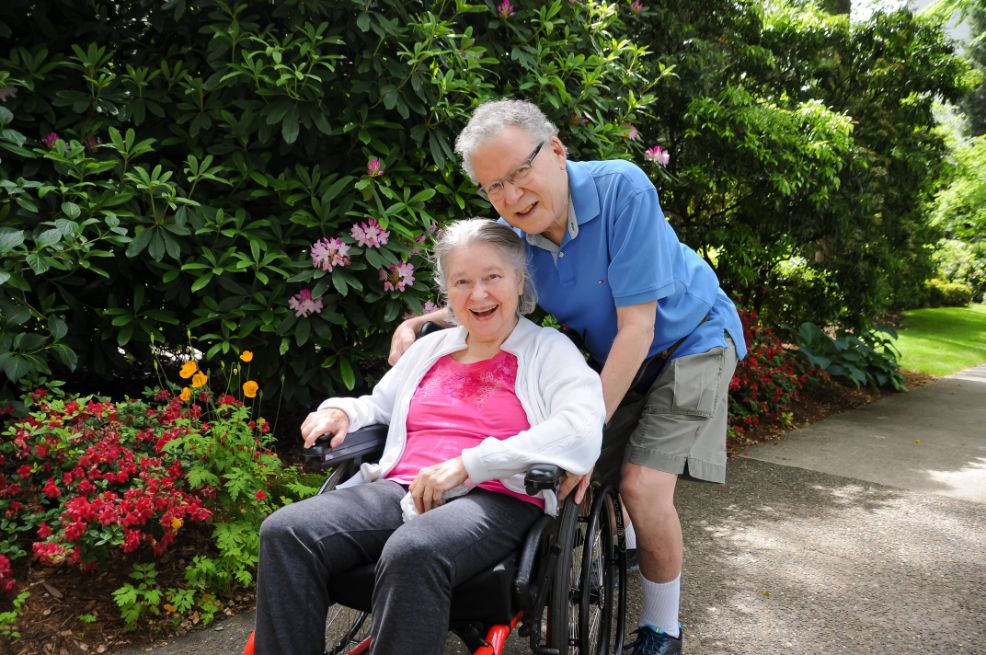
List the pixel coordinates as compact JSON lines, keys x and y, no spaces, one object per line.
{"x":71,"y":612}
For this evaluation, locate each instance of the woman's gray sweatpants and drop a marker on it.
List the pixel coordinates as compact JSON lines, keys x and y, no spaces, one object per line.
{"x":418,"y":563}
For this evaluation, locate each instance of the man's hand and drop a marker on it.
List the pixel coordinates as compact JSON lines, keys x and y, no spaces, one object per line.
{"x":325,"y":421}
{"x":570,"y":481}
{"x":407,"y":332}
{"x":404,"y":336}
{"x":429,"y":487}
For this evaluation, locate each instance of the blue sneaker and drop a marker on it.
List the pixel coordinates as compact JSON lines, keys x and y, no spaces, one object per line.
{"x":655,"y":643}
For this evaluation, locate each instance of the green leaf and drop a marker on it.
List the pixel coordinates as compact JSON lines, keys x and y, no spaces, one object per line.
{"x":49,"y":237}
{"x":71,"y":210}
{"x":139,"y":243}
{"x":289,"y":126}
{"x":347,"y":373}
{"x":10,"y":239}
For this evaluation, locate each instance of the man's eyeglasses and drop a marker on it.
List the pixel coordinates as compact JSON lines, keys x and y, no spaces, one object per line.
{"x":520,"y":175}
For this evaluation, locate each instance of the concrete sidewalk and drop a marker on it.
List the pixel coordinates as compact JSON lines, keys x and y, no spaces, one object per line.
{"x":863,"y":533}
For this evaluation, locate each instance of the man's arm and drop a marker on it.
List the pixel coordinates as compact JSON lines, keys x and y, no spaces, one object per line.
{"x":634,"y":334}
{"x":407,"y":332}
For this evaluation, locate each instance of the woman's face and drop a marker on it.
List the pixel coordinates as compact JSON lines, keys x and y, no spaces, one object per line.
{"x":483,"y":291}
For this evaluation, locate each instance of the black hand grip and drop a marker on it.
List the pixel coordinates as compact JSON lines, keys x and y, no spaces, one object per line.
{"x":542,"y":476}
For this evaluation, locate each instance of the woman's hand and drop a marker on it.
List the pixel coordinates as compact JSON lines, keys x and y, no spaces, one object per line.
{"x":429,"y":487}
{"x":325,"y":421}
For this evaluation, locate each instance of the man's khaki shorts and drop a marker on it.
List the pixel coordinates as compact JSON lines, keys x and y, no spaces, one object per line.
{"x":679,"y":425}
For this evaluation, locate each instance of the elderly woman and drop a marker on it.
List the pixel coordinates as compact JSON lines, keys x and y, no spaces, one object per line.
{"x":469,"y":409}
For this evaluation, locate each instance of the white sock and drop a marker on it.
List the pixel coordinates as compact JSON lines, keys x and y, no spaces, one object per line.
{"x":630,"y":535}
{"x":661,"y":600}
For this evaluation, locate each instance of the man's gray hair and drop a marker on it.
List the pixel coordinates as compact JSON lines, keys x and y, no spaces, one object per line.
{"x":490,"y":118}
{"x":484,"y":230}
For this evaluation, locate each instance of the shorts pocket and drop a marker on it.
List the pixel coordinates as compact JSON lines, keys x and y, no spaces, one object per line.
{"x":696,"y":383}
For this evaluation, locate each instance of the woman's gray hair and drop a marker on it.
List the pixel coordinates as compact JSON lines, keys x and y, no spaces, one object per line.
{"x":484,"y":230}
{"x":490,"y":118}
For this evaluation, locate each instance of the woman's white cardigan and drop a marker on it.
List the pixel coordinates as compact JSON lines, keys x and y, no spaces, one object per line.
{"x":561,"y":395}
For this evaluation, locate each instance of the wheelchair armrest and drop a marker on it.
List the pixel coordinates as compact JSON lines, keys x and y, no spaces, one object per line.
{"x":358,"y":444}
{"x":542,"y":476}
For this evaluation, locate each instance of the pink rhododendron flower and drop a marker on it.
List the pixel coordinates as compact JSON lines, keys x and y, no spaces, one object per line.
{"x":636,"y":7}
{"x":329,"y":253}
{"x":373,"y":168}
{"x":505,"y":9}
{"x":631,"y":132}
{"x":50,"y":140}
{"x":658,"y":155}
{"x":304,"y":305}
{"x":397,"y":277}
{"x":370,"y":234}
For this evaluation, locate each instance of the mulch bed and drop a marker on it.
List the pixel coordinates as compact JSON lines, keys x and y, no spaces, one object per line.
{"x":73,"y":613}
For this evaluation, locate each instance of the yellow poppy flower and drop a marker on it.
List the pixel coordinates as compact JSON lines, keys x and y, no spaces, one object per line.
{"x":199,"y":380}
{"x":247,"y":356}
{"x":186,"y":394}
{"x":176,"y":523}
{"x":189,"y":369}
{"x":250,"y":389}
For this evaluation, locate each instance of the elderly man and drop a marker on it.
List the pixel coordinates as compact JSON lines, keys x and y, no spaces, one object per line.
{"x":648,"y":309}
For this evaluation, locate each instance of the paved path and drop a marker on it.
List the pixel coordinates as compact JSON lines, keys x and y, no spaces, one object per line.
{"x":863,"y":533}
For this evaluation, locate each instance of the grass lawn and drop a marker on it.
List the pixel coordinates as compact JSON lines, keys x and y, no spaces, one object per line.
{"x":943,"y":340}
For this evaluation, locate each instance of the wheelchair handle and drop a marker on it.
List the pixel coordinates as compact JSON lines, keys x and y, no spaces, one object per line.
{"x":541,"y":477}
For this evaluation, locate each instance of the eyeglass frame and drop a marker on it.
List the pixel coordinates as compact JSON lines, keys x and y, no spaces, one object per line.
{"x":509,"y":179}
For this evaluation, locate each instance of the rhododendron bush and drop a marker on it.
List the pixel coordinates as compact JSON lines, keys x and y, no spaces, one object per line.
{"x":85,"y":482}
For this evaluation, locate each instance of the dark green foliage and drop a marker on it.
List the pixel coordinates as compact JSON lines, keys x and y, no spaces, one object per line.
{"x":167,"y":167}
{"x":868,"y":358}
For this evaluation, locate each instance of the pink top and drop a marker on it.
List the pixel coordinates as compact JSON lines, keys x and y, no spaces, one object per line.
{"x":455,"y":407}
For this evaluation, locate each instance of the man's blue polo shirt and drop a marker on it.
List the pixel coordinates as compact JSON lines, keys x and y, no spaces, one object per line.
{"x":620,"y":252}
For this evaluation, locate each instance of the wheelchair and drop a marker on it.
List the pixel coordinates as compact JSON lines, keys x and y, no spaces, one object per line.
{"x":564,"y":591}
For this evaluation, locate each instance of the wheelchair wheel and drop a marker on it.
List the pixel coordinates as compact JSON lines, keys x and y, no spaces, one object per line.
{"x":345,"y":629}
{"x":582,"y":615}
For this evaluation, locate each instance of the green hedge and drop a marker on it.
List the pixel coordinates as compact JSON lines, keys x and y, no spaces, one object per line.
{"x":260,"y":176}
{"x":948,"y":294}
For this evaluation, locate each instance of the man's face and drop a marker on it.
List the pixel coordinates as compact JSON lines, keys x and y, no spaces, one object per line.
{"x":537,"y":201}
